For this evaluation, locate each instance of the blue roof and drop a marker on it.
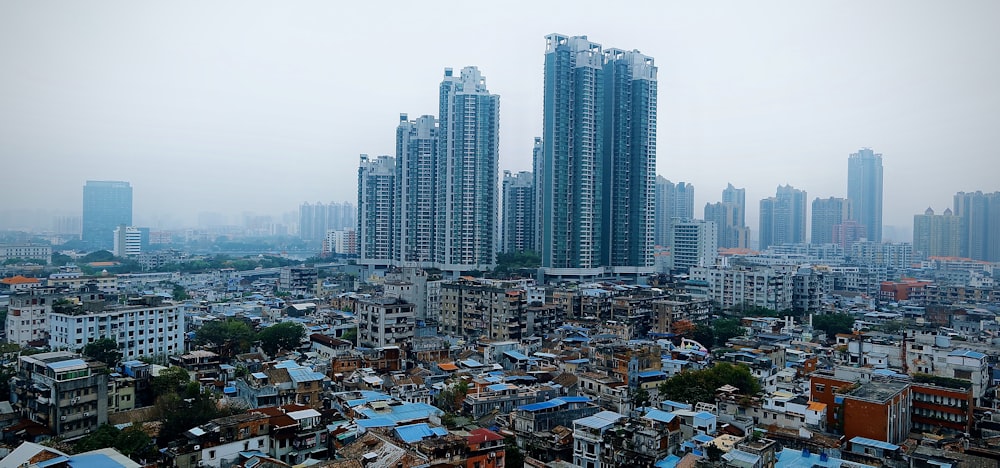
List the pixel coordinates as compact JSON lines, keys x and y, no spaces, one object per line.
{"x":375,"y":422}
{"x":287,"y":364}
{"x":669,"y":462}
{"x":702,"y":438}
{"x":471,"y":363}
{"x":659,"y":415}
{"x":789,"y":458}
{"x":368,"y":396}
{"x":404,"y":412}
{"x":67,"y":363}
{"x":497,"y":387}
{"x":704,"y":415}
{"x":874,"y":443}
{"x":516,"y":355}
{"x":91,"y":460}
{"x":967,"y":353}
{"x":417,"y":432}
{"x":575,"y":399}
{"x":647,"y":374}
{"x":578,"y":361}
{"x":259,"y":375}
{"x":532,"y":407}
{"x":305,"y":374}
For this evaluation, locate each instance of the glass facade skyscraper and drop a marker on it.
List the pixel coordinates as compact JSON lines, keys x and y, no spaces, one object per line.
{"x":864,"y":190}
{"x":598,"y":159}
{"x":783,"y":217}
{"x":107,"y":204}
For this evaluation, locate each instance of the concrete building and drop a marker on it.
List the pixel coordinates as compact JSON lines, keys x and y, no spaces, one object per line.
{"x":673,"y":202}
{"x":826,"y":215}
{"x":63,"y":391}
{"x":127,"y":241}
{"x":735,"y":287}
{"x":599,"y":160}
{"x":783,"y":218}
{"x":25,"y":252}
{"x":315,"y":220}
{"x":377,"y":223}
{"x":693,"y":243}
{"x":588,"y":438}
{"x":106,"y":205}
{"x":147,"y":326}
{"x":729,"y":216}
{"x":416,"y":190}
{"x":937,"y":235}
{"x":482,"y":308}
{"x":864,"y":190}
{"x":28,"y":316}
{"x":519,"y":220}
{"x":979,"y":215}
{"x":385,"y":321}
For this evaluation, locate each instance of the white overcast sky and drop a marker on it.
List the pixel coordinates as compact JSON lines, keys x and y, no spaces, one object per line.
{"x":259,"y":106}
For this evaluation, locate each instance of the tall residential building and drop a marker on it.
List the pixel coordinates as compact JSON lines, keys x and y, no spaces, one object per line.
{"x":416,"y":160}
{"x":376,"y":211}
{"x":518,"y":212}
{"x":106,"y":205}
{"x":694,"y":243}
{"x":729,"y":216}
{"x":827,"y":214}
{"x":127,"y":241}
{"x":599,"y":159}
{"x":937,"y":235}
{"x":467,"y":171}
{"x":783,"y":218}
{"x":538,"y":163}
{"x":738,"y":197}
{"x":980,"y":230}
{"x":316,"y":219}
{"x":864,"y":189}
{"x":673,"y":202}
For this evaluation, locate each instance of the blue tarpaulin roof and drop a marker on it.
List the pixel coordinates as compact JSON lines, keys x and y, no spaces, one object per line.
{"x":417,"y":432}
{"x":873,"y":443}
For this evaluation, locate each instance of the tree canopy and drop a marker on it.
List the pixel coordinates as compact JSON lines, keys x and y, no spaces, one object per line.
{"x":282,"y":336}
{"x":700,"y":385}
{"x":170,"y":380}
{"x":105,"y":350}
{"x":833,"y":324}
{"x":131,"y":442}
{"x":231,"y":337}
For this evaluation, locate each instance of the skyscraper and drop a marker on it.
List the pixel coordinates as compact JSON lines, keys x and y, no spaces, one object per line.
{"x":377,"y":221}
{"x":467,"y":165}
{"x":416,"y":190}
{"x":673,"y":202}
{"x":106,"y":205}
{"x":599,"y":159}
{"x":783,"y":218}
{"x":518,"y":212}
{"x":827,"y":213}
{"x":694,"y":243}
{"x":937,"y":235}
{"x":729,"y":216}
{"x":980,"y":225}
{"x":316,"y":219}
{"x":864,"y":189}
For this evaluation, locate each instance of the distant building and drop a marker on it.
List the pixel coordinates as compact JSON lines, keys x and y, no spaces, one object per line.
{"x":342,"y":242}
{"x":937,"y":235}
{"x":416,"y":190}
{"x":26,"y":252}
{"x":316,"y":219}
{"x":674,"y":202}
{"x":144,"y":327}
{"x":826,"y":215}
{"x":127,"y":241}
{"x":864,"y":190}
{"x":783,"y":218}
{"x":693,"y":243}
{"x":519,"y":205}
{"x":106,"y":205}
{"x":979,"y":215}
{"x":847,"y":233}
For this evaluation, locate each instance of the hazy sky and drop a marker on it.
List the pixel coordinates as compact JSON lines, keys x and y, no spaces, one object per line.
{"x":260,"y":106}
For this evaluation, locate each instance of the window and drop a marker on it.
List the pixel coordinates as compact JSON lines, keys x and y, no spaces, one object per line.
{"x":211,"y":454}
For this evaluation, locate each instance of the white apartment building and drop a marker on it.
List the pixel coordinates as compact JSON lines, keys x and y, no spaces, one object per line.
{"x":733,"y":287}
{"x":147,"y":326}
{"x":26,"y":252}
{"x":384,"y":321}
{"x":694,"y":243}
{"x":588,"y":437}
{"x":27,"y":316}
{"x":128,"y":241}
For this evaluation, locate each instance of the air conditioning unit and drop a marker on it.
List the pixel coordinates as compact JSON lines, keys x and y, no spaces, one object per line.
{"x":76,"y":400}
{"x":197,"y":447}
{"x":85,"y":414}
{"x":62,"y":418}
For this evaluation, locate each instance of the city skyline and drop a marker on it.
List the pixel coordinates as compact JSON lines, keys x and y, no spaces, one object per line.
{"x":225,"y":121}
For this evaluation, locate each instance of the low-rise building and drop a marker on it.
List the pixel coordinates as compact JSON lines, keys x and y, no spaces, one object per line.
{"x":63,"y":391}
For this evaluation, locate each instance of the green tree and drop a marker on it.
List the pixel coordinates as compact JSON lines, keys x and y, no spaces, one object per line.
{"x":705,"y":335}
{"x":514,"y":457}
{"x":131,"y":442}
{"x":833,"y":324}
{"x":98,"y":256}
{"x":179,"y":293}
{"x":726,"y":329}
{"x":59,"y":259}
{"x":640,"y":397}
{"x":230,"y":336}
{"x":351,"y":335}
{"x":170,"y":380}
{"x":282,"y":336}
{"x":105,"y":350}
{"x":700,"y":385}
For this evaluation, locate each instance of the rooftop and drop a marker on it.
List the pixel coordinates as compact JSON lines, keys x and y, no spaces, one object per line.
{"x":878,"y":391}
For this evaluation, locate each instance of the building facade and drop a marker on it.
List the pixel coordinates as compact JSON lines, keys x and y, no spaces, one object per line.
{"x":127,"y":241}
{"x":937,"y":235}
{"x":66,"y":393}
{"x":783,"y":218}
{"x":979,"y":215}
{"x":106,"y":205}
{"x":377,"y":223}
{"x":693,"y":243}
{"x":827,"y":213}
{"x":599,"y":159}
{"x":144,"y":327}
{"x":519,"y":212}
{"x":674,"y":202}
{"x":864,"y":189}
{"x":416,"y":165}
